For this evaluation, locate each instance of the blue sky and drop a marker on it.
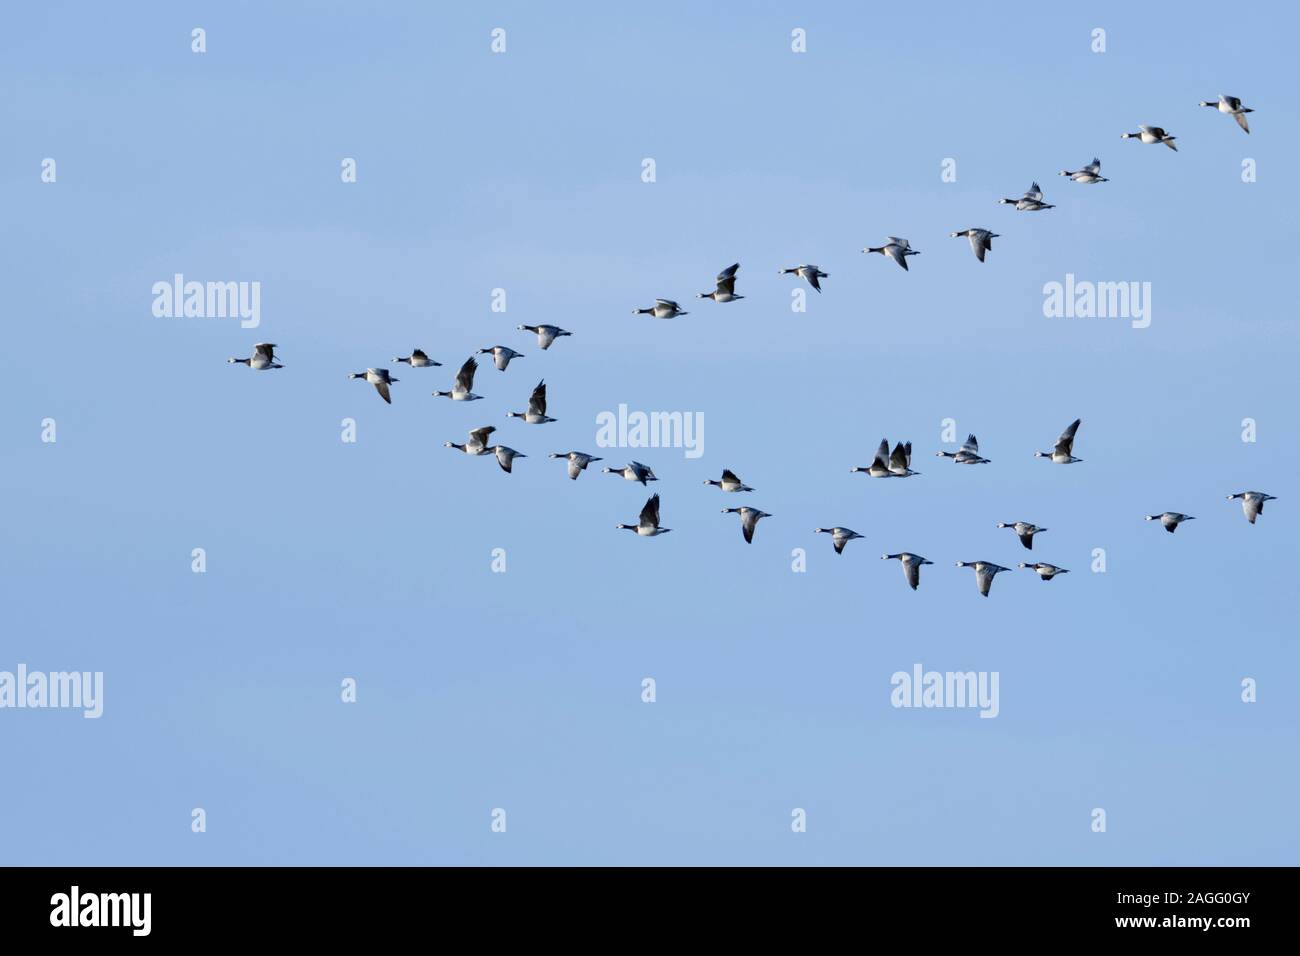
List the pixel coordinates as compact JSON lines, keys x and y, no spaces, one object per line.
{"x":521,"y":690}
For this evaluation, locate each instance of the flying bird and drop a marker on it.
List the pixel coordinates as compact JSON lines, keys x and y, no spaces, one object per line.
{"x":501,"y":356}
{"x":879,"y":467}
{"x":981,"y":240}
{"x":662,"y":309}
{"x":1252,"y":503}
{"x":985,"y":572}
{"x":839,"y":537}
{"x":1151,"y":135}
{"x":635,"y":471}
{"x":506,"y":456}
{"x":1170,"y":520}
{"x":1045,"y":571}
{"x":896,"y":249}
{"x":726,"y":290}
{"x":648,"y":525}
{"x":810,"y":274}
{"x":1088,"y":174}
{"x":1232,"y":106}
{"x":968,"y":454}
{"x":748,"y":520}
{"x":463,"y":390}
{"x":263,"y":357}
{"x":911,"y":566}
{"x":546,"y":334}
{"x":1063,"y":451}
{"x":536,"y":414}
{"x":380,"y":379}
{"x":1024,"y":530}
{"x":417,"y":359}
{"x":729,"y":482}
{"x":477,"y":444}
{"x":1031,"y":201}
{"x":578,"y":461}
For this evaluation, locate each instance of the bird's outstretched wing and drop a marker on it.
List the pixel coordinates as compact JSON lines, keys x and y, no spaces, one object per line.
{"x":650,"y":513}
{"x":465,"y":377}
{"x":537,"y":402}
{"x":1065,"y":444}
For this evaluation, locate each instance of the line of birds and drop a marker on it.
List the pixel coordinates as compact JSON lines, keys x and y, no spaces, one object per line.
{"x":885,"y":464}
{"x":981,"y":240}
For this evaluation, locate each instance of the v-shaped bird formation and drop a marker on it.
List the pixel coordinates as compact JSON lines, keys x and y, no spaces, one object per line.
{"x":886,"y":463}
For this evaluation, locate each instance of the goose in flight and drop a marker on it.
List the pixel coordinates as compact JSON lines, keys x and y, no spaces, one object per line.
{"x":1170,"y":520}
{"x":536,"y":414}
{"x":1151,"y":135}
{"x":1252,"y":503}
{"x":1032,"y":201}
{"x":1088,"y":174}
{"x":648,"y":525}
{"x":662,"y":309}
{"x":506,"y":456}
{"x":1232,"y":106}
{"x":1024,"y":530}
{"x":900,"y":462}
{"x":748,"y":520}
{"x":968,"y":454}
{"x":981,"y":240}
{"x":417,"y":359}
{"x":379,"y":378}
{"x":1045,"y":571}
{"x":839,"y":537}
{"x":985,"y":572}
{"x":463,"y":390}
{"x":896,"y":249}
{"x":726,"y":290}
{"x":263,"y":357}
{"x":810,"y":274}
{"x":477,"y":444}
{"x":911,"y":566}
{"x":729,"y":482}
{"x":501,"y":356}
{"x":1063,"y":451}
{"x":879,"y":467}
{"x":635,"y":471}
{"x":578,"y":461}
{"x":546,"y":334}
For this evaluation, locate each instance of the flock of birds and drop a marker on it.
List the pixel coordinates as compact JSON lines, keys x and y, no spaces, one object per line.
{"x":886,"y":463}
